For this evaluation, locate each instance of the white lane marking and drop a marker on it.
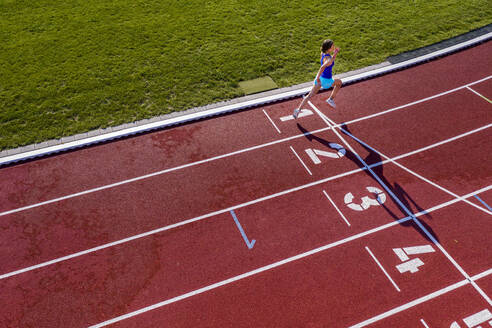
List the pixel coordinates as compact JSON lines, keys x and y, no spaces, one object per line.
{"x":388,"y":160}
{"x":271,"y":121}
{"x":433,"y":145}
{"x":284,"y":261}
{"x":303,"y":113}
{"x":271,"y":266}
{"x":382,"y":269}
{"x":482,"y":275}
{"x":423,"y":322}
{"x":235,"y":153}
{"x":421,"y":300}
{"x":300,"y":160}
{"x":336,"y":207}
{"x":411,"y":304}
{"x":417,"y":101}
{"x":181,"y":223}
{"x":480,"y":95}
{"x":409,"y":213}
{"x":248,"y":274}
{"x":172,"y":226}
{"x":150,"y":175}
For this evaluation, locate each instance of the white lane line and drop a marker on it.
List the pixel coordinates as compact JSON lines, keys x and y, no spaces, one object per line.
{"x":300,"y":160}
{"x":231,"y":154}
{"x":420,"y":300}
{"x":181,"y":223}
{"x":482,"y":275}
{"x":279,"y":263}
{"x":480,"y":95}
{"x":437,"y":144}
{"x":226,"y":155}
{"x":150,"y":175}
{"x":148,"y":233}
{"x":172,"y":226}
{"x":407,"y":211}
{"x":424,"y":323}
{"x":417,"y":101}
{"x":382,"y":269}
{"x":245,"y":275}
{"x":336,"y":207}
{"x":271,"y":121}
{"x":411,"y":304}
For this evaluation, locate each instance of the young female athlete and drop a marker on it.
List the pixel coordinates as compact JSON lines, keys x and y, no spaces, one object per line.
{"x":324,"y":77}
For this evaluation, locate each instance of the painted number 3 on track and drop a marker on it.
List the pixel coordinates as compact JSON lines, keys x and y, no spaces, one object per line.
{"x":366,"y":201}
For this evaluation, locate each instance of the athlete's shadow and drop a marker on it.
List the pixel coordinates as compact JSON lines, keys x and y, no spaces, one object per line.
{"x":372,"y":158}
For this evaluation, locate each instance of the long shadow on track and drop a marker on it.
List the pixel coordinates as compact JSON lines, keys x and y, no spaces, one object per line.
{"x":396,"y":188}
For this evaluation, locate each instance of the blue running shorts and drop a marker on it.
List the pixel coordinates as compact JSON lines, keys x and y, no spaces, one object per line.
{"x":325,"y":83}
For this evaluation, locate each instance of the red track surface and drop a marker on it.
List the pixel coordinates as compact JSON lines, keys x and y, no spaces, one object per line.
{"x":82,"y":259}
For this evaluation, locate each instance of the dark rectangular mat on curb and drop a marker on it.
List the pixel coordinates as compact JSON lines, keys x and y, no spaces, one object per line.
{"x":257,"y":85}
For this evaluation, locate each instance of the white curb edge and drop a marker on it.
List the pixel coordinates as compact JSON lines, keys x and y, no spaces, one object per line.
{"x":233,"y":107}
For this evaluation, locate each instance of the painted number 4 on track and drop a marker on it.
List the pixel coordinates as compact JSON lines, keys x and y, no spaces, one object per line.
{"x":411,"y":265}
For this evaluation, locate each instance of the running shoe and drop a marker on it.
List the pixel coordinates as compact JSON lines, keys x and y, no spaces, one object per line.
{"x":331,"y":102}
{"x":296,"y":112}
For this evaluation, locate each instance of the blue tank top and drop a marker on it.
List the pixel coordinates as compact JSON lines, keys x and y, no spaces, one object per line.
{"x":327,"y":72}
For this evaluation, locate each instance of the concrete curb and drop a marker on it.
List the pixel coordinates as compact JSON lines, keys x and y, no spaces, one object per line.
{"x":125,"y":130}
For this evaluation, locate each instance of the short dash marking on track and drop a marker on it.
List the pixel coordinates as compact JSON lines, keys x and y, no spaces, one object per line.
{"x":246,"y":240}
{"x":271,"y":121}
{"x":479,"y":94}
{"x":303,"y":113}
{"x":423,"y":322}
{"x":481,"y":201}
{"x":307,"y":169}
{"x":382,"y":268}
{"x":338,"y":210}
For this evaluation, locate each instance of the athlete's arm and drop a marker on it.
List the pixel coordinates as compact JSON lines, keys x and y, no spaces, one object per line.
{"x":331,"y":60}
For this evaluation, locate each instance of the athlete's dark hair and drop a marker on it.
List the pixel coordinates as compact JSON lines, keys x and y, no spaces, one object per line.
{"x":326,"y":45}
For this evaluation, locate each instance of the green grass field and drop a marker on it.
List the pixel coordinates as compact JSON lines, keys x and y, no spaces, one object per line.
{"x":72,"y":66}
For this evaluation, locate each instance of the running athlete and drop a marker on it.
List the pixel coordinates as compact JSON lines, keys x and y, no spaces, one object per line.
{"x":324,"y":77}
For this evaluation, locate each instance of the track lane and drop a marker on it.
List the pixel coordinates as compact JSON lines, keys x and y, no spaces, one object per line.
{"x":92,"y":167}
{"x":315,"y":291}
{"x":460,"y":166}
{"x":406,"y":130}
